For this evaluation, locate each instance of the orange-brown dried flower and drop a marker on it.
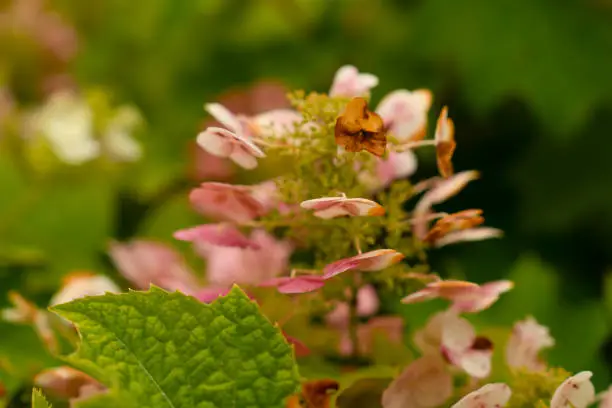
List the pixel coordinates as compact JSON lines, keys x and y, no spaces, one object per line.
{"x":315,"y":394}
{"x":445,"y":144}
{"x":360,"y":129}
{"x":454,"y":222}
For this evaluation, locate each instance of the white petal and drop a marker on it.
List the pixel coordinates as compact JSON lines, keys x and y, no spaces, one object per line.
{"x":469,"y":235}
{"x":457,"y":333}
{"x":575,"y":392}
{"x":494,"y":395}
{"x":224,"y":116}
{"x":216,"y":141}
{"x":316,"y":202}
{"x":331,"y":212}
{"x":243,"y":158}
{"x":476,"y":363}
{"x":405,"y":163}
{"x":368,"y":80}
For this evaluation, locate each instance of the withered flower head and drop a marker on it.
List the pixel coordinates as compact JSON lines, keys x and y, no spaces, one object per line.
{"x":453,"y":222}
{"x":315,"y":394}
{"x":360,"y":129}
{"x":445,"y":143}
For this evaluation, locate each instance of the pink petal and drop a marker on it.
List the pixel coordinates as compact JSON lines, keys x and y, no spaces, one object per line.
{"x":277,"y":122}
{"x":224,"y":116}
{"x":208,"y":295}
{"x":367,"y":262}
{"x":605,"y":398}
{"x":405,"y":112}
{"x":331,"y":207}
{"x":425,"y":383}
{"x":527,"y":340}
{"x":216,"y":141}
{"x":420,"y":296}
{"x":575,"y":392}
{"x":299,"y":284}
{"x":367,"y":301}
{"x":476,"y":363}
{"x":146,"y":262}
{"x":494,"y":395}
{"x":227,"y":266}
{"x":226,"y":202}
{"x":429,"y":338}
{"x":348,"y":82}
{"x":244,"y":159}
{"x":64,"y":381}
{"x":458,"y":334}
{"x":216,"y":234}
{"x":468,"y":235}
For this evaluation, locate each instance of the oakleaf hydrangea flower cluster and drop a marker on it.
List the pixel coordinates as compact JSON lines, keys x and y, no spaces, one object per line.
{"x":330,"y":233}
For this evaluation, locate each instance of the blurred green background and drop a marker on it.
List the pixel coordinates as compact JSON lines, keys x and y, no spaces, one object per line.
{"x":527,"y":83}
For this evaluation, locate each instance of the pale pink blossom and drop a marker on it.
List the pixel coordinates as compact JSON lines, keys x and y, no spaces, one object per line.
{"x":271,"y":124}
{"x":293,"y":285}
{"x":465,"y":296}
{"x":425,"y":383}
{"x":349,"y":82}
{"x":439,"y":192}
{"x":605,"y":398}
{"x":494,"y":395}
{"x":394,"y":167}
{"x":275,"y":123}
{"x":464,"y":349}
{"x":332,"y":207}
{"x":449,"y":335}
{"x":205,"y":166}
{"x":226,"y":266}
{"x":366,"y":262}
{"x":469,"y":235}
{"x":147,"y":262}
{"x":575,"y":392}
{"x":80,"y":284}
{"x":227,"y":202}
{"x":224,"y":143}
{"x":527,"y":340}
{"x":65,"y":382}
{"x":216,"y":234}
{"x":405,"y":113}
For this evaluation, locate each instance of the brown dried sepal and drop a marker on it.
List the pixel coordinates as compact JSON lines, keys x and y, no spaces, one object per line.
{"x":454,"y":222}
{"x":445,"y":147}
{"x":360,"y":129}
{"x":315,"y":394}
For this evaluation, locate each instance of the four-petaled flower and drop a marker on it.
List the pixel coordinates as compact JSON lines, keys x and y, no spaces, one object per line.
{"x":465,"y":296}
{"x":527,"y":340}
{"x":405,"y":113}
{"x":332,"y":207}
{"x":349,"y":82}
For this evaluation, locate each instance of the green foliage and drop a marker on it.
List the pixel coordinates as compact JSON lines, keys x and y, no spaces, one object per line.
{"x":169,"y":350}
{"x":39,"y":400}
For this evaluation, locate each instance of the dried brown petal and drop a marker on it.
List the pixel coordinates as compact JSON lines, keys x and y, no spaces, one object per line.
{"x":360,"y":129}
{"x":454,"y":222}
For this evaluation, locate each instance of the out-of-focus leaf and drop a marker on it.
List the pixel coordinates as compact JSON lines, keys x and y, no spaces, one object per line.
{"x":39,"y":400}
{"x":170,"y":350}
{"x":556,"y":56}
